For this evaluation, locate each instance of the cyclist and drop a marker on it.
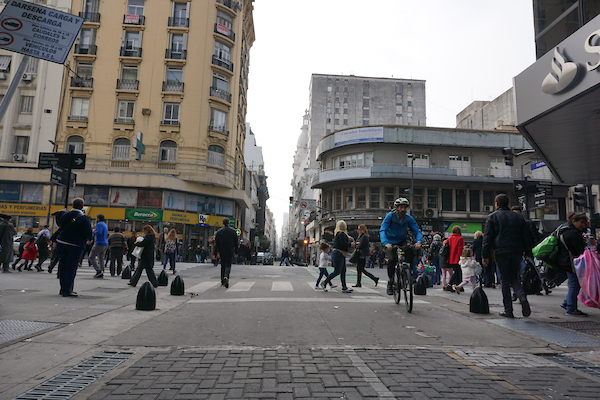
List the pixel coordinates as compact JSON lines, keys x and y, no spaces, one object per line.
{"x":394,"y":232}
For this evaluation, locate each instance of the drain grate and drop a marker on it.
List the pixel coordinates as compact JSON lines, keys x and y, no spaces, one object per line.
{"x":589,"y":327}
{"x":66,"y":384}
{"x":571,"y":362}
{"x":13,"y":329}
{"x":550,"y":334}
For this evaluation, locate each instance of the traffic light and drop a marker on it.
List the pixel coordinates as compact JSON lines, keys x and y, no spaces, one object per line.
{"x":580,"y":197}
{"x":509,"y":156}
{"x":291,"y":201}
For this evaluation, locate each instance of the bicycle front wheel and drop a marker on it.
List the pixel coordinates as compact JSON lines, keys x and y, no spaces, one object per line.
{"x":396,"y":286}
{"x":407,"y":288}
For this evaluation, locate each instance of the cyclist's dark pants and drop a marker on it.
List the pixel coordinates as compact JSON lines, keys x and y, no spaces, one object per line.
{"x":392,"y":256}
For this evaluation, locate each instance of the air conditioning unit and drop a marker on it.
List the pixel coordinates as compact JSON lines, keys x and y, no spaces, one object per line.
{"x":488,"y":208}
{"x":19,"y":157}
{"x":3,"y":76}
{"x":28,"y":76}
{"x":431,"y":213}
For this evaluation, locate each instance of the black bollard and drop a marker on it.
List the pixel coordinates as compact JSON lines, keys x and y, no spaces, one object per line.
{"x":126,"y":273}
{"x":146,"y":298}
{"x":177,"y":286}
{"x":420,"y":286}
{"x":478,"y":303}
{"x":163,"y":278}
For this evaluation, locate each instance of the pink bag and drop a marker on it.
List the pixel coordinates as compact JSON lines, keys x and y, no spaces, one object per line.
{"x":587,"y":267}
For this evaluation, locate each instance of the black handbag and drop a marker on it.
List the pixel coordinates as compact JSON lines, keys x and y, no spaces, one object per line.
{"x":355,"y":257}
{"x":445,"y":252}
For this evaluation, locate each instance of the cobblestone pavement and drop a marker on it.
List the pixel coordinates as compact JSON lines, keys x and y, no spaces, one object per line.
{"x":346,"y":373}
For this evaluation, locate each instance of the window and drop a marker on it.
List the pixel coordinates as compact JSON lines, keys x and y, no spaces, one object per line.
{"x":168,"y":151}
{"x":461,"y":200}
{"x":398,"y":88}
{"x":462,"y":165}
{"x":417,"y":199}
{"x":409,"y":103}
{"x":171,"y":114}
{"x":26,"y":105}
{"x":135,"y":7}
{"x":133,"y":39}
{"x":79,"y":109}
{"x":374,"y":191}
{"x":87,"y":38}
{"x":421,"y":160}
{"x":345,"y":122}
{"x":329,"y":88}
{"x":498,"y":168}
{"x":32,"y":66}
{"x":345,"y":111}
{"x":348,"y":199}
{"x":361,"y":197}
{"x":352,"y":160}
{"x":345,"y":100}
{"x":365,"y":102}
{"x":388,"y":196}
{"x":129,"y":77}
{"x":336,"y":121}
{"x":215,"y":156}
{"x":5,"y":63}
{"x":149,"y":198}
{"x":126,"y":110}
{"x":180,"y":10}
{"x":177,"y":46}
{"x":218,"y":120}
{"x":75,"y":142}
{"x":432,"y":196}
{"x":488,"y":198}
{"x":221,"y":83}
{"x":474,"y":205}
{"x":365,"y":122}
{"x":366,"y":88}
{"x":338,"y":199}
{"x":224,"y":23}
{"x":447,"y":200}
{"x":21,"y":145}
{"x":174,"y":79}
{"x":346,"y":90}
{"x":222,"y":51}
{"x":365,"y":113}
{"x":121,"y":149}
{"x":337,"y":110}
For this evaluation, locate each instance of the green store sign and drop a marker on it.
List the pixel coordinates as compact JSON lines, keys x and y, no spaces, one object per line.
{"x":143,"y":215}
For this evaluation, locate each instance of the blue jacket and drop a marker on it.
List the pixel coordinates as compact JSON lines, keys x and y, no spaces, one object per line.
{"x":76,"y":233}
{"x":394,"y":231}
{"x":101,"y":234}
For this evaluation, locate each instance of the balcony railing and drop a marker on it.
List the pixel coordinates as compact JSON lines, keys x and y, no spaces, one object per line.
{"x":131,"y":51}
{"x":220,"y":94}
{"x":215,"y":159}
{"x":124,"y":120}
{"x":228,"y":3}
{"x":85,"y":49}
{"x":119,"y":164}
{"x":170,"y":86}
{"x":82,"y":82}
{"x":90,"y":16}
{"x":218,"y":128}
{"x":83,"y":118}
{"x":132,"y":19}
{"x":127,"y":84}
{"x":222,"y":63}
{"x":179,"y":22}
{"x":225,"y":31}
{"x":174,"y":54}
{"x":169,"y":122}
{"x":167,"y":165}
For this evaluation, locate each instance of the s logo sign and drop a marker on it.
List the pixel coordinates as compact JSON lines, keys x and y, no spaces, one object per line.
{"x":564,"y":73}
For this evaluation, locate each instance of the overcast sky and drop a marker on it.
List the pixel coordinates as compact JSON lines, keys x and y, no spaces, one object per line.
{"x":465,"y":50}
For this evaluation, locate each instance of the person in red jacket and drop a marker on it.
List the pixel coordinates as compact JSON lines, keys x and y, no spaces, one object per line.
{"x":456,"y":244}
{"x":29,"y":255}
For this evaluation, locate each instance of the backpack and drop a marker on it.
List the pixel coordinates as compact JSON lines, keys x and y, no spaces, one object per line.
{"x":530,"y":280}
{"x":547,"y":250}
{"x":42,"y":241}
{"x":445,"y":251}
{"x":170,"y":246}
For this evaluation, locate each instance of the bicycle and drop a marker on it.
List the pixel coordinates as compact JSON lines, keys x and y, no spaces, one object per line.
{"x":402,"y":280}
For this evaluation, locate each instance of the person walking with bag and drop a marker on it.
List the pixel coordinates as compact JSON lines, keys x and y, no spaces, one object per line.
{"x":130,"y":247}
{"x":171,"y":249}
{"x":146,"y":258}
{"x":455,"y":243}
{"x":341,"y":244}
{"x":363,"y":253}
{"x":570,"y":246}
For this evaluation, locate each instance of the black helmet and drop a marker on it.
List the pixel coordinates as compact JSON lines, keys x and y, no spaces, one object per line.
{"x":401,"y":200}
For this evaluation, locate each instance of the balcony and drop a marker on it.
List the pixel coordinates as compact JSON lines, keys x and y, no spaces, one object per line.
{"x":225,"y":31}
{"x":82,"y":118}
{"x":170,"y":86}
{"x":78,"y":82}
{"x":127,"y":84}
{"x":169,"y":165}
{"x":220,"y":94}
{"x":229,"y":4}
{"x":228,"y":65}
{"x":89,"y":49}
{"x":124,"y":120}
{"x":132,"y":19}
{"x":90,"y":16}
{"x":178,"y":22}
{"x":131,"y":52}
{"x":170,"y":122}
{"x":119,"y":164}
{"x":174,"y":54}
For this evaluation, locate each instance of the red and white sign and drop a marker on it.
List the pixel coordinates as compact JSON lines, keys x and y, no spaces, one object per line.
{"x":11,"y":24}
{"x":132,"y":19}
{"x":223,"y":29}
{"x":303,"y":205}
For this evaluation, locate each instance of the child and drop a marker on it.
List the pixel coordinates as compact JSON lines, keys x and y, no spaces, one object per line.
{"x":467,"y":265}
{"x":29,"y":254}
{"x":324,"y":258}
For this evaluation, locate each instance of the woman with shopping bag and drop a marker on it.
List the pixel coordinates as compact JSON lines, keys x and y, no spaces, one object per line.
{"x":571,"y":246}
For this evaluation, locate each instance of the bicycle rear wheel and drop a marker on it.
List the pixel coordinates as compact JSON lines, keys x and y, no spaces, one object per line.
{"x":407,"y":288}
{"x":396,"y":286}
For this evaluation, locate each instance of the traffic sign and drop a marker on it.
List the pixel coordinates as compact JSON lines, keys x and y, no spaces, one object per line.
{"x":544,"y":186}
{"x":38,"y":31}
{"x":308,"y":204}
{"x":519,"y":186}
{"x":47,"y":160}
{"x":59,"y":175}
{"x":537,"y":165}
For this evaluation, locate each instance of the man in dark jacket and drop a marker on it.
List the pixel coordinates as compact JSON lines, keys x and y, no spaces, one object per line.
{"x":76,"y":230}
{"x":7,"y":232}
{"x":506,"y":233}
{"x":226,"y":244}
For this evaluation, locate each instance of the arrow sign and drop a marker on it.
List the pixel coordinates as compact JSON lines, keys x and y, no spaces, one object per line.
{"x":519,"y":186}
{"x":47,"y":160}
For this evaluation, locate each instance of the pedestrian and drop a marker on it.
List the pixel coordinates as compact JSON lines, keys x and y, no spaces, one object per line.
{"x":434,"y":257}
{"x":487,"y":277}
{"x":455,"y":243}
{"x":22,"y":242}
{"x":130,"y":247}
{"x":393,"y":233}
{"x":324,"y":260}
{"x":162,"y":239}
{"x":198,"y":252}
{"x":75,"y":230}
{"x":29,"y":255}
{"x":171,"y":249}
{"x":98,"y":252}
{"x":467,"y":266}
{"x":226,"y":245}
{"x":203,"y":254}
{"x":572,"y":245}
{"x":146,"y":258}
{"x":53,"y":259}
{"x":381,"y":256}
{"x":342,"y":242}
{"x":363,"y":248}
{"x":248,"y":253}
{"x":42,"y":242}
{"x":117,"y":247}
{"x":506,"y":233}
{"x":285,"y":257}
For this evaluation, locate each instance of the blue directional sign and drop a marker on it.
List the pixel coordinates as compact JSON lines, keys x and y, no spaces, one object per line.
{"x":537,"y":165}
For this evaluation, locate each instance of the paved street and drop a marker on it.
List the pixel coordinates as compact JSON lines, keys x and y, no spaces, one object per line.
{"x":271,"y":335}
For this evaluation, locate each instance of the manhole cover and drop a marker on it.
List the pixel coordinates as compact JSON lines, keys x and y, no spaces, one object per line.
{"x":548,"y":333}
{"x":12,"y":329}
{"x":589,"y":327}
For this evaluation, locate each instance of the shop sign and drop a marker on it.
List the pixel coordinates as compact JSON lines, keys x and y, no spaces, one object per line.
{"x":179,"y":217}
{"x":143,"y":215}
{"x":109,"y":213}
{"x":34,"y":210}
{"x":465,"y":227}
{"x":203,"y":220}
{"x":214,"y":220}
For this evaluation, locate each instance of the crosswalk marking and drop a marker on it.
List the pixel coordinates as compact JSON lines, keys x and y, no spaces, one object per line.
{"x":241,"y":287}
{"x":202,"y":287}
{"x":339,"y":288}
{"x":279,"y":286}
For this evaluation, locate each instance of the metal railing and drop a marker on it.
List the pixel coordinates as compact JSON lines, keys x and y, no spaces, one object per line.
{"x":119,"y":164}
{"x":179,"y":22}
{"x":174,"y":54}
{"x":215,"y":159}
{"x":129,"y":19}
{"x":77,"y":118}
{"x":85,"y":49}
{"x":228,"y":3}
{"x":124,"y":120}
{"x":170,"y":122}
{"x":218,"y":128}
{"x":131,"y":51}
{"x":169,"y":86}
{"x":222,"y":63}
{"x":90,"y":16}
{"x":225,"y":31}
{"x":220,"y":94}
{"x":82,"y":82}
{"x":127,"y":84}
